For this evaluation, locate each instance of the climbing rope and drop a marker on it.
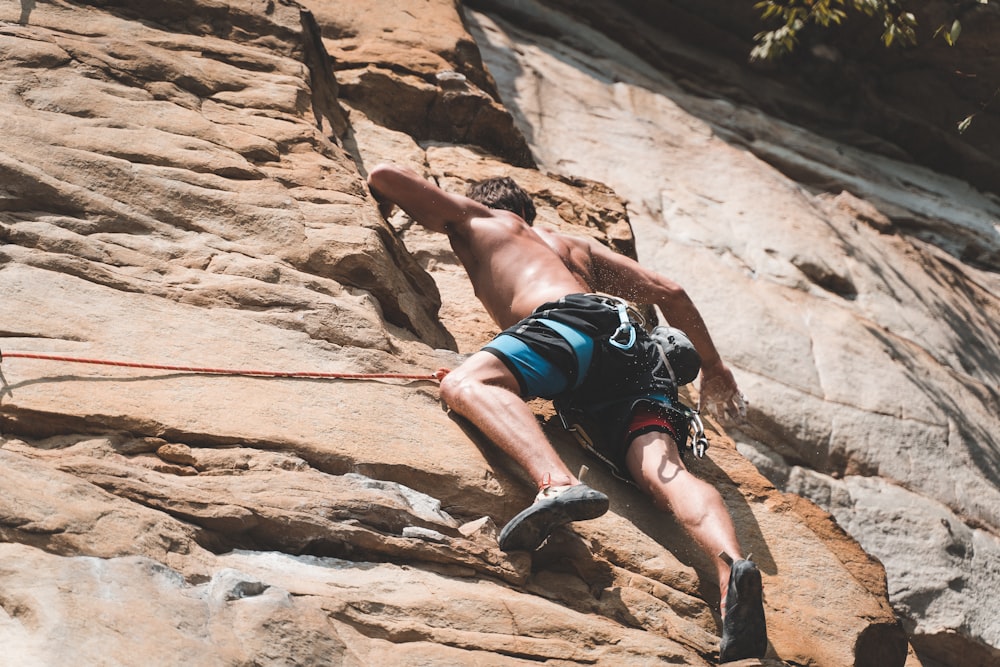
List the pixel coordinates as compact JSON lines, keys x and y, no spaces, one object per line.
{"x":437,"y":375}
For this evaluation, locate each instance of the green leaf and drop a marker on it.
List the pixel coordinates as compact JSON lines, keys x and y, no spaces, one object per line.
{"x":956,"y":30}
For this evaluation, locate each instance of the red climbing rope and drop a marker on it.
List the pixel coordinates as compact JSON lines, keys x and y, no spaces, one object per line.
{"x":437,"y":375}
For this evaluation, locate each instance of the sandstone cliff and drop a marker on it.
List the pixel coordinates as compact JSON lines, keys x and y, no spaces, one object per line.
{"x":182,"y":184}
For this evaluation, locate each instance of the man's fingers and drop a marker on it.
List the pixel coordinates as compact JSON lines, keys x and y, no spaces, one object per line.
{"x":715,"y":408}
{"x":730,"y":410}
{"x":740,"y":405}
{"x":737,"y":408}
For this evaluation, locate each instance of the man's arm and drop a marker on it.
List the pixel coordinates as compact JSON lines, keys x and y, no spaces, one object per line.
{"x":622,"y":276}
{"x":422,"y":200}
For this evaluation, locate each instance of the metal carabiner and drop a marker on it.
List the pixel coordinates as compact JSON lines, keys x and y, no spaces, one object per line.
{"x":700,"y":444}
{"x":626,"y":328}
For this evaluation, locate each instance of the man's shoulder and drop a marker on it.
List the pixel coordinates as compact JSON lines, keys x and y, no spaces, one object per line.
{"x":569,"y":242}
{"x":497,"y":221}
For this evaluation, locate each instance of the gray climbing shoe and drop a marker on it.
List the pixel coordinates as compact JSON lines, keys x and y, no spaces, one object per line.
{"x":554,"y":507}
{"x":744,"y":630}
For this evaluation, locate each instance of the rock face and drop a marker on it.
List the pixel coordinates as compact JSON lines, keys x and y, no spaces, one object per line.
{"x":860,"y":305}
{"x":182,"y":185}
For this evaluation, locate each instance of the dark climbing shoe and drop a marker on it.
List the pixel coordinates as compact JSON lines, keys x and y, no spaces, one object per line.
{"x":553,"y":508}
{"x":744,"y":630}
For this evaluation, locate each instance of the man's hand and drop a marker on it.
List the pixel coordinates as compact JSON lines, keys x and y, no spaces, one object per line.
{"x":385,"y":205}
{"x":385,"y":208}
{"x":720,"y":397}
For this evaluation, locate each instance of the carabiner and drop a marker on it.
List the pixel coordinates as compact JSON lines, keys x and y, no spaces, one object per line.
{"x":626,"y":328}
{"x":700,"y":444}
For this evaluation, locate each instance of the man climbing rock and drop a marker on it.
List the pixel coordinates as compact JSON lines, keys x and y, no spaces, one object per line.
{"x":561,"y":340}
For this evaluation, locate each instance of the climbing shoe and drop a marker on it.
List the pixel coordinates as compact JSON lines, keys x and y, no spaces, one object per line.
{"x":744,"y":630}
{"x":554,"y":506}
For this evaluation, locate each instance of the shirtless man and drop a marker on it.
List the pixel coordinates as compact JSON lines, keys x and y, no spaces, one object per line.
{"x":561,"y":340}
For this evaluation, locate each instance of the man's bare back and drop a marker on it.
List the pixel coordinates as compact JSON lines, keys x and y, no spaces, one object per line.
{"x":513,"y":270}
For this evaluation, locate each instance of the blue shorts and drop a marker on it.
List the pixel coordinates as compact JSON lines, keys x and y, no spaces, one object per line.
{"x":531,"y":364}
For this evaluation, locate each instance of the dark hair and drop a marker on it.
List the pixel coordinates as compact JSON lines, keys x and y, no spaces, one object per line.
{"x":503,"y":193}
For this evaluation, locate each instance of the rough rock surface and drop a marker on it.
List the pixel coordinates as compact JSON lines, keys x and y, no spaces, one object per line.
{"x":182,"y":184}
{"x":860,"y":305}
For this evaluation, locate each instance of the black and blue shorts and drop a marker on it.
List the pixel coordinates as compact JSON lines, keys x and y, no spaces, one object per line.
{"x":572,"y":351}
{"x":547,"y":357}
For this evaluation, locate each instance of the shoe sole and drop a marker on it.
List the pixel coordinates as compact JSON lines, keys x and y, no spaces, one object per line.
{"x":527,"y":530}
{"x":744,"y":629}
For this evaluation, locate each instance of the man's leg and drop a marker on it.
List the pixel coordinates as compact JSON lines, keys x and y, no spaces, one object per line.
{"x":655,"y":464}
{"x":484,"y":391}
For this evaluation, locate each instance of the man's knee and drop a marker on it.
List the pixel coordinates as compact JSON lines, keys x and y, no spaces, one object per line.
{"x":452,"y":387}
{"x":460,"y":388}
{"x":480,"y":372}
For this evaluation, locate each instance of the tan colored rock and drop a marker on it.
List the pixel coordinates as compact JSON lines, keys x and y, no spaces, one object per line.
{"x":182,"y":185}
{"x":108,"y":611}
{"x":285,"y":221}
{"x":176,"y":453}
{"x":412,"y":67}
{"x":62,"y":514}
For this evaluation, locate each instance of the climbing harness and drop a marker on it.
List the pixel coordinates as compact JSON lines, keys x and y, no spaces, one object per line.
{"x":679,"y":361}
{"x":575,"y":422}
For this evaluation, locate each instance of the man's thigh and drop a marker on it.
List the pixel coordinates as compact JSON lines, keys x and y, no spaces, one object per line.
{"x":654,"y":461}
{"x":485,"y":368}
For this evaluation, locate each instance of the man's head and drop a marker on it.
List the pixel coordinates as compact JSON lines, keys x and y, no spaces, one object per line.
{"x":503,"y":193}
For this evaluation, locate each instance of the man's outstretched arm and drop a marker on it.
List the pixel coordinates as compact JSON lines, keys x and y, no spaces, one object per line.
{"x":422,"y":200}
{"x":620,"y":275}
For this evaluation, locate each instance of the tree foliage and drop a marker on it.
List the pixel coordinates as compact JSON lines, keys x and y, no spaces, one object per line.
{"x":898,"y":26}
{"x":794,"y":16}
